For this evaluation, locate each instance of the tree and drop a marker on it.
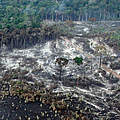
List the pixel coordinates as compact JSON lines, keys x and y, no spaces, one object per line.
{"x":100,"y":51}
{"x":62,"y":62}
{"x":11,"y":11}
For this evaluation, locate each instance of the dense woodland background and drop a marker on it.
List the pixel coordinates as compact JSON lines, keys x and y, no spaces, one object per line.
{"x":23,"y":13}
{"x":26,"y":22}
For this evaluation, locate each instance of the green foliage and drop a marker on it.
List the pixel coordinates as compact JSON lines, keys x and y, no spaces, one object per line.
{"x":8,"y":26}
{"x":0,"y":26}
{"x":14,"y":12}
{"x":25,"y":37}
{"x":78,"y":60}
{"x":119,"y":44}
{"x":115,"y":36}
{"x":99,"y":30}
{"x":21,"y":26}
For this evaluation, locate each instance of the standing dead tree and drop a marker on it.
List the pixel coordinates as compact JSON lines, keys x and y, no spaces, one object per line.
{"x":100,"y":51}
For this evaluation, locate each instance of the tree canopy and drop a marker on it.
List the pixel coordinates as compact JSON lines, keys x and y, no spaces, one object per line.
{"x":21,"y":13}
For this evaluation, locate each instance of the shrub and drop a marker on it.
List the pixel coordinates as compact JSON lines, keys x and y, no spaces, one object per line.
{"x":78,"y":60}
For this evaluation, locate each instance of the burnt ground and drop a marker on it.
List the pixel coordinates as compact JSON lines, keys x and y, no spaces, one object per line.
{"x":30,"y":88}
{"x":16,"y":109}
{"x":22,"y":101}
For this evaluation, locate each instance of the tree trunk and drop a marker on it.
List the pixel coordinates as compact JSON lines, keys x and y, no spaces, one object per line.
{"x":24,"y":43}
{"x":84,"y":72}
{"x":91,"y":65}
{"x":100,"y":61}
{"x":56,"y":17}
{"x":82,"y":18}
{"x":79,"y":17}
{"x":46,"y":16}
{"x":86,"y":17}
{"x":11,"y":43}
{"x":60,"y":75}
{"x":62,"y":17}
{"x":77,"y":81}
{"x":52,"y":17}
{"x":100,"y":16}
{"x":1,"y":41}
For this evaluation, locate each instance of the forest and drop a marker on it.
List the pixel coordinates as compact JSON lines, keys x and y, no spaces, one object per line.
{"x":23,"y":13}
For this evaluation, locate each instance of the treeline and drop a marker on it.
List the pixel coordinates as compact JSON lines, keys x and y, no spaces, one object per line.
{"x":27,"y":37}
{"x":24,"y":13}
